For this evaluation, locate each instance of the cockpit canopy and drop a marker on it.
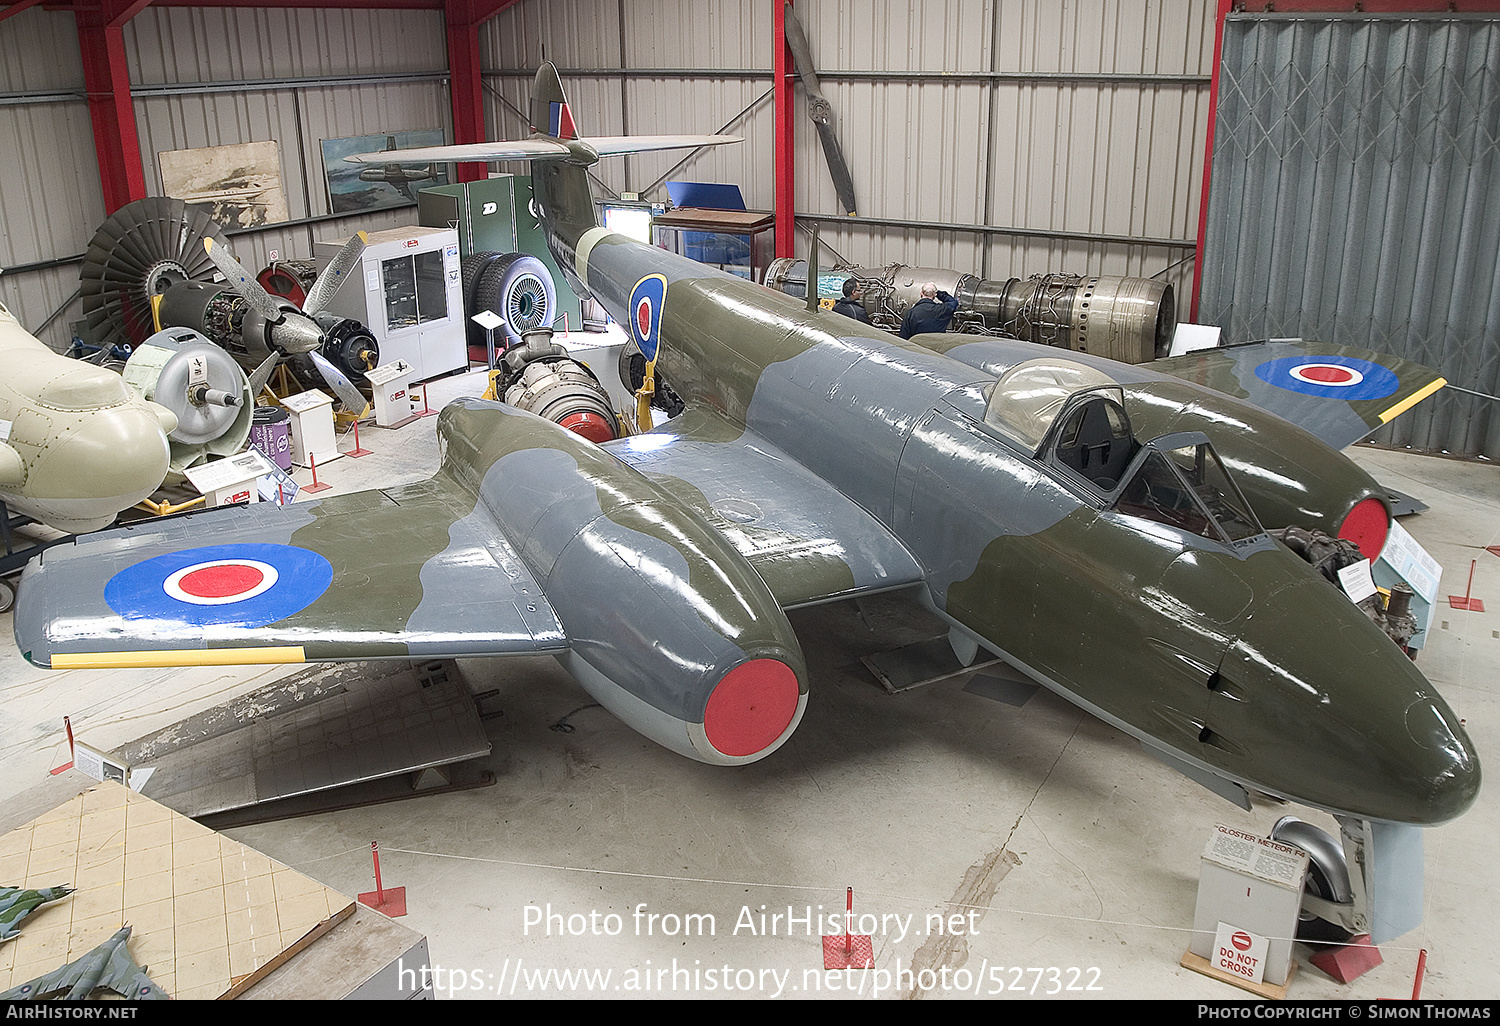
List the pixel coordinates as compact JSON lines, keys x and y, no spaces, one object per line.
{"x":1073,"y":418}
{"x":1029,"y":396}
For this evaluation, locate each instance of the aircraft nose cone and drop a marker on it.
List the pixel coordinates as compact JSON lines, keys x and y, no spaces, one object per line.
{"x":1448,"y":764}
{"x":1318,"y":705}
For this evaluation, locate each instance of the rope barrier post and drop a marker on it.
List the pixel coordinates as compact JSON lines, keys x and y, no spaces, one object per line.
{"x":389,"y":902}
{"x":852,"y":950}
{"x":315,"y":486}
{"x":68,"y":726}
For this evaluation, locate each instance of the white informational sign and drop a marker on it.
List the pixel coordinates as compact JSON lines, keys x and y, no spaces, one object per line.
{"x":1256,"y":856}
{"x":1240,"y":953}
{"x":5,"y":426}
{"x":98,"y":765}
{"x":277,"y":487}
{"x":1256,"y":883}
{"x":1189,"y":338}
{"x":1356,"y":581}
{"x":231,"y":480}
{"x":302,"y":402}
{"x":1405,"y":556}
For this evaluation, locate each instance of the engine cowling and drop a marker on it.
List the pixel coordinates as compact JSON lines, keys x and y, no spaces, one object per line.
{"x":669,"y":627}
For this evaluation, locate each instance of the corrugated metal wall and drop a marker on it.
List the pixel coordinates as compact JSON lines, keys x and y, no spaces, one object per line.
{"x":50,"y":200}
{"x":200,"y":78}
{"x":1070,"y":144}
{"x":1356,"y":199}
{"x":1099,"y":132}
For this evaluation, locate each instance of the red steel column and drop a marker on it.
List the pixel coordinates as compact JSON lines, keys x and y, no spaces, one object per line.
{"x":786,"y":200}
{"x":461,"y":19}
{"x":465,"y":88}
{"x":106,"y":78}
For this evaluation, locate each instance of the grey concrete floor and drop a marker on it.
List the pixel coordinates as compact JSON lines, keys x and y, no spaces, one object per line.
{"x":1066,"y":858}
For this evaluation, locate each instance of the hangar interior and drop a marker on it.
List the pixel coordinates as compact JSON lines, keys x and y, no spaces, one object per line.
{"x":993,"y":835}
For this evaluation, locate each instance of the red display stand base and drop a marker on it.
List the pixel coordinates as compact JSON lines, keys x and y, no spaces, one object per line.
{"x":394,"y":904}
{"x":1348,"y":962}
{"x":841,"y":951}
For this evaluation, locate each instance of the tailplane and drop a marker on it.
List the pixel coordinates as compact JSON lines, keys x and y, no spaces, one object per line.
{"x":560,"y":181}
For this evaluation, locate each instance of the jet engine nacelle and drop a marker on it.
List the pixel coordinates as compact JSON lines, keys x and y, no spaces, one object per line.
{"x":668,"y":626}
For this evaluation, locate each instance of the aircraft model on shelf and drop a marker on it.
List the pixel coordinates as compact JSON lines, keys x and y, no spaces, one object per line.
{"x":107,"y":967}
{"x":1100,"y":526}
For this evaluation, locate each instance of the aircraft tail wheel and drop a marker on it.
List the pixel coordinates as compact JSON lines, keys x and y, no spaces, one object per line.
{"x":1327,"y":876}
{"x":519,"y":288}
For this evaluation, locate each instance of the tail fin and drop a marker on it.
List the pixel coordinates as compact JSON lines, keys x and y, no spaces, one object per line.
{"x":550,"y":114}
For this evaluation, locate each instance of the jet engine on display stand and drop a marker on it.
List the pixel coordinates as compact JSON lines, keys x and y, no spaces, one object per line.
{"x":1120,"y":318}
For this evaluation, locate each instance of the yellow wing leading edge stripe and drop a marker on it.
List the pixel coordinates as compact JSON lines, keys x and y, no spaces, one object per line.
{"x":178,"y":657}
{"x":1411,"y":400}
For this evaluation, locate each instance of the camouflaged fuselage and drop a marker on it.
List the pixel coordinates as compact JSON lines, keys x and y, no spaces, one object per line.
{"x":1232,"y":657}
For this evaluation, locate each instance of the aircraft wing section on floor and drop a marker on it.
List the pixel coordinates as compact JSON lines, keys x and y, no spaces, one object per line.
{"x":1338,"y":393}
{"x":409,"y":572}
{"x":806,"y":540}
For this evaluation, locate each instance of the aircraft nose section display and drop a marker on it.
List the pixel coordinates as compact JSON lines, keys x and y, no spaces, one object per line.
{"x":1350,"y":726}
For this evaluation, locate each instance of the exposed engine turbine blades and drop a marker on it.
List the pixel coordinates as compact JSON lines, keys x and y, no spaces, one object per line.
{"x":820,"y":110}
{"x":143,"y":249}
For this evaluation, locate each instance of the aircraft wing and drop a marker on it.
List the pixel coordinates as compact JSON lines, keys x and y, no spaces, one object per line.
{"x":420,"y":571}
{"x":1338,"y":393}
{"x":522,"y":149}
{"x":807,"y":541}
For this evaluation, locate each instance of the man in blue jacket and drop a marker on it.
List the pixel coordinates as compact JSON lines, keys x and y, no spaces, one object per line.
{"x":850,"y":305}
{"x":933,"y":312}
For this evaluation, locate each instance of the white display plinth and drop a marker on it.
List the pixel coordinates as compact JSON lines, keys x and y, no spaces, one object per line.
{"x":392,"y":383}
{"x":1253,"y":884}
{"x":230,"y":480}
{"x":312,"y":428}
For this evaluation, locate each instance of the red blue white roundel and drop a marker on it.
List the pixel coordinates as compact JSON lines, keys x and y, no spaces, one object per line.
{"x":646,"y":302}
{"x":1332,"y":377}
{"x":245,"y":585}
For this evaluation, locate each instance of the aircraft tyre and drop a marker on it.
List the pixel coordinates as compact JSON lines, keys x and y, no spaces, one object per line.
{"x":519,"y":288}
{"x":1327,"y":877}
{"x":7,"y":596}
{"x":470,"y":269}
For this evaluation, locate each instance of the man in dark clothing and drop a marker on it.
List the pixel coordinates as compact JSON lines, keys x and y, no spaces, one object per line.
{"x":933,"y":312}
{"x":850,"y":306}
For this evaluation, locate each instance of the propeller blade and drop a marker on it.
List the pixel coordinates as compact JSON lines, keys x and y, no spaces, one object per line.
{"x":243,"y":282}
{"x":334,"y":274}
{"x":820,"y":110}
{"x":262,"y":374}
{"x":353,"y":400}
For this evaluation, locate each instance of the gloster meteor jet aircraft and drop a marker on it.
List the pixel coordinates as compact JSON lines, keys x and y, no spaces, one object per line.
{"x":1097,"y":525}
